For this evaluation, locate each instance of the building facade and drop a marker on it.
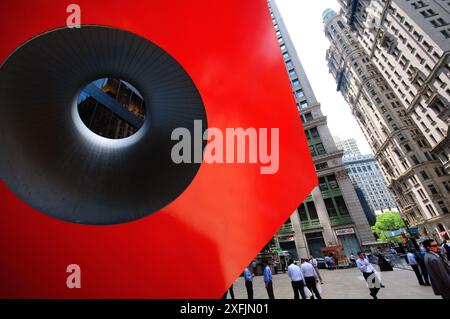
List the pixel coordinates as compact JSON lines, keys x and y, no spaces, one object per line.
{"x":332,"y":214}
{"x":349,"y":146}
{"x":365,"y":173}
{"x":391,"y":61}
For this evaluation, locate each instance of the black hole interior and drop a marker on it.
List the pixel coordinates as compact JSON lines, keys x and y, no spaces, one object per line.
{"x":46,"y":158}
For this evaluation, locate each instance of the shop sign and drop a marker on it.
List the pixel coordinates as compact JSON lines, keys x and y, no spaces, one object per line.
{"x":345,"y":231}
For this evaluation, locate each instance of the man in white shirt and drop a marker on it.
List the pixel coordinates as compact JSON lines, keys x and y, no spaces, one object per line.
{"x":311,"y":278}
{"x":412,"y":261}
{"x":313,"y":262}
{"x":368,"y":271}
{"x":297,"y":279}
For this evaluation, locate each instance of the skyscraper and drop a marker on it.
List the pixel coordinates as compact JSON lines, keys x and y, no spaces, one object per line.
{"x":390,"y":61}
{"x":332,"y":214}
{"x":365,"y":174}
{"x":349,"y":146}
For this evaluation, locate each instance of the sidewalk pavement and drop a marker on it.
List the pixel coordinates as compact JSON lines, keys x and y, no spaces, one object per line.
{"x":344,"y":284}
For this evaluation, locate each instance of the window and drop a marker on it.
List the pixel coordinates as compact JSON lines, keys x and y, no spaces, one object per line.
{"x":296,"y":83}
{"x":314,"y":133}
{"x":302,"y":212}
{"x":447,"y":186}
{"x":443,"y":207}
{"x":292,"y":73}
{"x":422,"y":194}
{"x":320,"y":149}
{"x":321,"y":166}
{"x":312,"y":210}
{"x":323,"y":186}
{"x":308,"y":117}
{"x":299,"y":93}
{"x":431,"y":210}
{"x":331,"y":209}
{"x":432,"y":189}
{"x":341,"y":205}
{"x":424,"y":175}
{"x":307,"y":211}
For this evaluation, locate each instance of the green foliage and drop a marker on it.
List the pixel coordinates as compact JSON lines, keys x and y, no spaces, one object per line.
{"x":387,"y":222}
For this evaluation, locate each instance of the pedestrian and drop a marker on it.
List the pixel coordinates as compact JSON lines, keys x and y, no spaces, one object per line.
{"x":422,"y":249}
{"x":316,"y":267}
{"x":445,"y":248}
{"x":383,"y":263}
{"x":335,"y":261}
{"x":438,"y":269}
{"x":329,"y":262}
{"x":254,"y":267}
{"x":412,"y":261}
{"x":392,"y":251}
{"x":353,"y":259}
{"x":248,"y":278}
{"x":420,"y":258}
{"x":297,"y":280}
{"x":368,"y":271}
{"x":311,"y":278}
{"x":267,"y":276}
{"x":231,"y":293}
{"x":283,"y":265}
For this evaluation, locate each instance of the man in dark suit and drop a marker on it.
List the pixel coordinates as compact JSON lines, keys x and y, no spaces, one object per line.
{"x":437,"y":268}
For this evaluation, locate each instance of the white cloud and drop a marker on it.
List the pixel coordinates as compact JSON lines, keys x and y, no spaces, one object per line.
{"x":303,"y":20}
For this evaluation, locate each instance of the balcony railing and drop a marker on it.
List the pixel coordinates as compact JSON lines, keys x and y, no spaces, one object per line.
{"x":331,"y":193}
{"x":340,"y":220}
{"x":310,"y":224}
{"x":286,"y":228}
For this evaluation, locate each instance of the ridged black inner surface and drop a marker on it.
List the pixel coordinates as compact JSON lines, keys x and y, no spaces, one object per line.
{"x":46,"y":160}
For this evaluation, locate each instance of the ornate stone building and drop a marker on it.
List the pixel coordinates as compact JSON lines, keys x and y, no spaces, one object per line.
{"x":391,"y":61}
{"x":332,"y":213}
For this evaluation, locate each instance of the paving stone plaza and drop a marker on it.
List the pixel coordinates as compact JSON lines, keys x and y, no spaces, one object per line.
{"x":344,"y":284}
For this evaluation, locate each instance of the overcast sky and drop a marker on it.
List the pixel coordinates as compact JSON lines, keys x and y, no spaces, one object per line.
{"x":303,"y":18}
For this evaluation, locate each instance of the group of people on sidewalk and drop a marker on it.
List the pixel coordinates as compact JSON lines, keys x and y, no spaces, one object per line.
{"x":304,"y":279}
{"x":430,"y":265}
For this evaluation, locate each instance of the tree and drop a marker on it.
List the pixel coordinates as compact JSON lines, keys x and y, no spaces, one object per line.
{"x":387,"y":222}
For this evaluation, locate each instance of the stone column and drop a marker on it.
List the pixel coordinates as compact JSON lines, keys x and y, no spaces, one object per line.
{"x":328,"y":234}
{"x":300,"y":243}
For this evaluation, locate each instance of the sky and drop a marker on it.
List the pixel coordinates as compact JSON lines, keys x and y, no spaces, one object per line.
{"x":303,"y":19}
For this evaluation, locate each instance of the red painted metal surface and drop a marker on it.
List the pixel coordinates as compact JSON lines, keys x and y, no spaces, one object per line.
{"x":196,"y":246}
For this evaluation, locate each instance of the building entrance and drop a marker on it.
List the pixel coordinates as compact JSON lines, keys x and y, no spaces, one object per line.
{"x":350,"y":244}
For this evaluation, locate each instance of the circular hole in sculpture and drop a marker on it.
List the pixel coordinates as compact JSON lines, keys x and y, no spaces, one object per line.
{"x":112,"y":108}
